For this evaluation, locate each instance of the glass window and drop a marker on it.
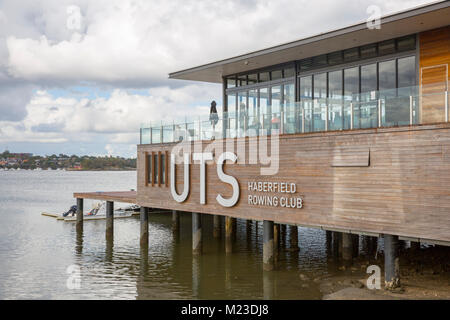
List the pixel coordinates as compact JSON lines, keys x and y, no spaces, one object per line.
{"x":320,"y":61}
{"x":406,"y":43}
{"x":264,"y":108}
{"x":264,"y":76}
{"x":320,"y":85}
{"x":231,"y":82}
{"x":306,"y":111}
{"x":407,"y":72}
{"x":242,"y":80}
{"x":306,"y":64}
{"x":366,"y":114}
{"x":306,"y":87}
{"x":231,"y":104}
{"x":290,"y":115}
{"x":155,"y":169}
{"x":386,"y":47}
{"x":149,"y":168}
{"x":264,"y":99}
{"x":335,"y":103}
{"x":335,"y":84}
{"x":276,"y":74}
{"x":351,"y":54}
{"x":351,"y":83}
{"x":253,"y":120}
{"x":369,"y":78}
{"x":289,"y":94}
{"x":320,"y":92}
{"x":252,"y":78}
{"x":386,"y":75}
{"x":289,"y":72}
{"x":252,"y":102}
{"x":163,"y":168}
{"x":276,"y":99}
{"x":335,"y":58}
{"x":242,"y":112}
{"x":368,"y":51}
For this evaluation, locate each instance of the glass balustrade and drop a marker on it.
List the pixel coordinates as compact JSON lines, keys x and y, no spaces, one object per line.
{"x":375,"y":109}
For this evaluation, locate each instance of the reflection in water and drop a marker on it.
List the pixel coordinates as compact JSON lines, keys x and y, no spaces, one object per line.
{"x":269,"y":285}
{"x":109,"y":249}
{"x":79,"y":240}
{"x":122,"y":269}
{"x":196,"y":276}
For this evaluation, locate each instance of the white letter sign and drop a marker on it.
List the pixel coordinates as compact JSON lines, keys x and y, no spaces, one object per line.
{"x":227,"y":179}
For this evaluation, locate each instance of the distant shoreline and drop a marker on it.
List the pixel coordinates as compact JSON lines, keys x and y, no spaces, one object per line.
{"x":71,"y":170}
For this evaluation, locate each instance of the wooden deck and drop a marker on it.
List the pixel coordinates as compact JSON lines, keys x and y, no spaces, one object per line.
{"x":116,"y":196}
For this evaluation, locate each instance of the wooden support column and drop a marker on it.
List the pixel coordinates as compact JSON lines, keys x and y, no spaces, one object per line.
{"x":197,"y":245}
{"x":293,"y":237}
{"x":355,"y":240}
{"x":109,"y":220}
{"x":391,"y":262}
{"x":268,"y":261}
{"x":144,"y":226}
{"x":175,"y":221}
{"x":216,"y":226}
{"x":283,"y":235}
{"x":415,"y":246}
{"x":228,"y":234}
{"x":276,"y":236}
{"x":276,"y":241}
{"x":336,"y":241}
{"x":347,"y":247}
{"x":80,"y":213}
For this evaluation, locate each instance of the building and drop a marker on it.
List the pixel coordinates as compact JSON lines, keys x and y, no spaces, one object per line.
{"x":356,"y":121}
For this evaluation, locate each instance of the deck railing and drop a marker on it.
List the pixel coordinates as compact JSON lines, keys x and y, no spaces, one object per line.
{"x":375,"y":109}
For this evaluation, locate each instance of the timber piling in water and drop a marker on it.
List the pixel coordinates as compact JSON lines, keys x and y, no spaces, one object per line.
{"x":80,"y":213}
{"x":109,"y":220}
{"x":217,"y":226}
{"x":347,"y":247}
{"x":293,"y":237}
{"x":268,"y":246}
{"x":175,"y":221}
{"x":197,"y":243}
{"x":391,"y":262}
{"x":229,"y":234}
{"x":144,"y":226}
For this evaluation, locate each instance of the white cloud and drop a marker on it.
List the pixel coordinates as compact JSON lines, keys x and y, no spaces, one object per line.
{"x":142,"y":41}
{"x":118,"y":117}
{"x":126,"y":44}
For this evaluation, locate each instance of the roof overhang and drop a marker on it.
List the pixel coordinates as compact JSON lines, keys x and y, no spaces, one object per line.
{"x":395,"y":25}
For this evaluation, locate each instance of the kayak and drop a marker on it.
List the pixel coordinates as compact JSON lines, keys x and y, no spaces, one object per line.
{"x":87,"y":217}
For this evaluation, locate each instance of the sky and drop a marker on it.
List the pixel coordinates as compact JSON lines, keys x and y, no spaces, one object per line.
{"x":81,"y":76}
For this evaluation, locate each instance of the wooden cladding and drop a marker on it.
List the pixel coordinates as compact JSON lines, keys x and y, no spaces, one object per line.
{"x":156,"y":168}
{"x":434,"y":73}
{"x":351,"y":157}
{"x":386,"y":181}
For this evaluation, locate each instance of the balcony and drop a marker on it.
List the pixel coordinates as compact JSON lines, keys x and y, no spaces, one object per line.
{"x":375,"y":109}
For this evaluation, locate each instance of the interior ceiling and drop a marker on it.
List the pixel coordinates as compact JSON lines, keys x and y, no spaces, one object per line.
{"x":397,"y":25}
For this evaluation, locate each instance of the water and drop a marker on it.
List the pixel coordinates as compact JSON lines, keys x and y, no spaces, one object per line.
{"x":36,"y":251}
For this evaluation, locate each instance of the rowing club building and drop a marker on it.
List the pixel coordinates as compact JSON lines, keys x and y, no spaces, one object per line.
{"x":347,"y":131}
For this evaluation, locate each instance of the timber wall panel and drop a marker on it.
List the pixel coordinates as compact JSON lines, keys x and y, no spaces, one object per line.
{"x":434,"y":75}
{"x":405,"y":190}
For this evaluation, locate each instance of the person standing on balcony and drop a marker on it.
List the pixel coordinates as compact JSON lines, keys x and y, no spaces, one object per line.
{"x":213,"y":117}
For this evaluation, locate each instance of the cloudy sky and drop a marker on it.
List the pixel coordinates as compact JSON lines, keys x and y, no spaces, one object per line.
{"x":84,"y":86}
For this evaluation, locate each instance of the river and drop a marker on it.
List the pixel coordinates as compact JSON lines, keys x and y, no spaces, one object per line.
{"x":36,"y":252}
